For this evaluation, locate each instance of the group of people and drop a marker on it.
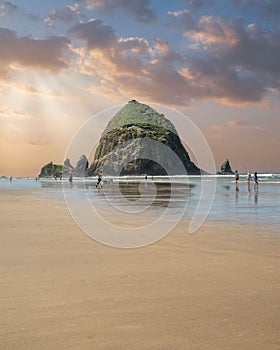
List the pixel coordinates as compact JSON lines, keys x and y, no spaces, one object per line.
{"x":249,"y":178}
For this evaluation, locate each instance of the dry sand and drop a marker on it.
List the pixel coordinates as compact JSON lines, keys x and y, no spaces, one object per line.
{"x":217,"y":289}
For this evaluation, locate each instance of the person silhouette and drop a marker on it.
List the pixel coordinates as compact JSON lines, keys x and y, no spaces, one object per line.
{"x":256,"y":182}
{"x":99,"y":180}
{"x":70,"y":180}
{"x":249,"y":177}
{"x":236,"y":180}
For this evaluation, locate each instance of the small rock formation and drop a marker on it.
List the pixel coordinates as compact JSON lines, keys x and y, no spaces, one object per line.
{"x":59,"y":171}
{"x":225,"y":168}
{"x":51,"y":170}
{"x":81,"y":166}
{"x":67,"y":167}
{"x":67,"y":163}
{"x":128,"y":147}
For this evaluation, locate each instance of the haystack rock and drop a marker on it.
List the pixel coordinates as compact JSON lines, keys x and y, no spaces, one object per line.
{"x":138,"y":140}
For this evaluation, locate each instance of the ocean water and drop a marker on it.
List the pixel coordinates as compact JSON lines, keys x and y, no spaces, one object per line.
{"x":212,"y":196}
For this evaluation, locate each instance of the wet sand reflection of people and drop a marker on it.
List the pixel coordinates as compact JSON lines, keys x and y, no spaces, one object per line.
{"x":236,"y":196}
{"x":256,"y":197}
{"x":70,"y":180}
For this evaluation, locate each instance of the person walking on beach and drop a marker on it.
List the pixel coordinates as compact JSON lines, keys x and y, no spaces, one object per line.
{"x":256,"y":181}
{"x":70,"y":180}
{"x":249,"y":177}
{"x":99,"y":180}
{"x":236,"y":180}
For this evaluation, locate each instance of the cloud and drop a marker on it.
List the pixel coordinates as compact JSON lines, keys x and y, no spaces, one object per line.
{"x":241,"y":60}
{"x":37,"y":143}
{"x":257,"y":51}
{"x":156,"y":71}
{"x":183,"y":19}
{"x":206,"y":29}
{"x":66,"y":15}
{"x":11,"y":114}
{"x":261,"y":128}
{"x":267,"y":8}
{"x":225,"y":61}
{"x":132,"y":65}
{"x":32,"y":90}
{"x":46,"y":54}
{"x":95,"y":34}
{"x":218,"y":136}
{"x":139,"y":9}
{"x":237,"y":123}
{"x":9,"y":9}
{"x":198,"y":4}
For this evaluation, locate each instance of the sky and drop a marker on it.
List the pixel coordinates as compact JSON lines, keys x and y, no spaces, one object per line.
{"x":215,"y":61}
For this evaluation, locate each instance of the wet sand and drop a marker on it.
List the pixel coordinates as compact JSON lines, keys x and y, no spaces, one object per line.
{"x":60,"y":289}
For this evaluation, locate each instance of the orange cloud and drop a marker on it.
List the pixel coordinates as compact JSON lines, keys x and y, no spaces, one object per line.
{"x":237,"y":123}
{"x":37,"y":143}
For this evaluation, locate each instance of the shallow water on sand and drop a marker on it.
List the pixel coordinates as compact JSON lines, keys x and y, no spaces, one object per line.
{"x":180,"y":195}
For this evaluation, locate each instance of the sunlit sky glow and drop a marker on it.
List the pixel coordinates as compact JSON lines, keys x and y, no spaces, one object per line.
{"x":216,"y":61}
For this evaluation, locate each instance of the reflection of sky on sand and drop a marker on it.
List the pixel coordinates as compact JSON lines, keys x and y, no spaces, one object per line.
{"x":151,"y":198}
{"x":154,"y":194}
{"x":247,"y":206}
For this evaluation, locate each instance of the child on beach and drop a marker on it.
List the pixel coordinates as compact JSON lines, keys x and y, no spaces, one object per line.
{"x":236,"y":180}
{"x":249,"y":176}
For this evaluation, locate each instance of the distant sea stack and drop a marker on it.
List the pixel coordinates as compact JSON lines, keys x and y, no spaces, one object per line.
{"x":225,"y":168}
{"x":58,"y":171}
{"x":133,"y":131}
{"x":51,"y":170}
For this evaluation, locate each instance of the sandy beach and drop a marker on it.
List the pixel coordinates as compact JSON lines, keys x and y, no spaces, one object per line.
{"x":60,"y":289}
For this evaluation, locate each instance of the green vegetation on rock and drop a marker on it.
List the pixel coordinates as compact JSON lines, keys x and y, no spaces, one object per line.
{"x":51,"y":170}
{"x":138,"y":114}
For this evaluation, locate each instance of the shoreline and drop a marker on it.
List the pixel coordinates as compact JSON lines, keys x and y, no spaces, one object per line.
{"x":231,"y":208}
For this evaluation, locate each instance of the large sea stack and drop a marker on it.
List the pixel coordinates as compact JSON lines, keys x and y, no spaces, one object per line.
{"x":138,"y":140}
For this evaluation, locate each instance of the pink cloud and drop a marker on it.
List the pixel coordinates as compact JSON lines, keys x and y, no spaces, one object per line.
{"x":46,"y":54}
